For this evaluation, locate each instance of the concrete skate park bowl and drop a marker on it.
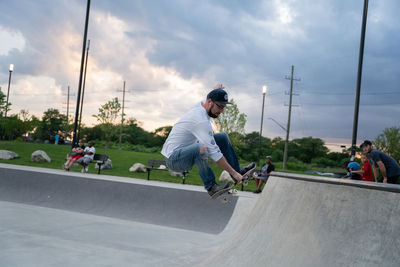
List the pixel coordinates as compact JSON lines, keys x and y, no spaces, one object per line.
{"x":54,"y":218}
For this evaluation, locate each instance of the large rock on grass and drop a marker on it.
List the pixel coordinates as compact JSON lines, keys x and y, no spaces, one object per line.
{"x":225,"y":177}
{"x":106,"y":166}
{"x":175,"y":174}
{"x":6,"y":154}
{"x":138,"y":167}
{"x":40,"y":156}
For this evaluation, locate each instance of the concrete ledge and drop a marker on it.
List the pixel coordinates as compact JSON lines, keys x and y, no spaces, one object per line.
{"x":120,"y":198}
{"x":346,"y":182}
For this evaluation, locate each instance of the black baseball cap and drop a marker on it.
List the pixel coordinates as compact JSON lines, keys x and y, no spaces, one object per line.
{"x":366,"y":143}
{"x":219,"y":95}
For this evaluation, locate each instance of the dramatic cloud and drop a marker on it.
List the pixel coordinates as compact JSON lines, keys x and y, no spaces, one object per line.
{"x":171,"y":53}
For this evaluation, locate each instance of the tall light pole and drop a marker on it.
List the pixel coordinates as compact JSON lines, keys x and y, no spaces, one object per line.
{"x":11,"y":69}
{"x":359,"y":75}
{"x":83,"y":90}
{"x":264,"y":92}
{"x":78,"y":100}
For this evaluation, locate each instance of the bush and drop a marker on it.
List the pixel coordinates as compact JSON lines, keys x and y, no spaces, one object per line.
{"x":277,"y":155}
{"x":294,"y":160}
{"x":296,"y":166}
{"x":324,"y":162}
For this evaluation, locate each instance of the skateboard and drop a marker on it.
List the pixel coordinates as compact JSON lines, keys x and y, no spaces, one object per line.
{"x":249,"y":175}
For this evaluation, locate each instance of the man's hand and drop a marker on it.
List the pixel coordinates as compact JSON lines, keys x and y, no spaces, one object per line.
{"x":238,"y":177}
{"x":219,"y":86}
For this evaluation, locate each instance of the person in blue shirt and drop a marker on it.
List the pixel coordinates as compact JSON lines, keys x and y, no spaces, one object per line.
{"x":352,"y":166}
{"x":266,"y":170}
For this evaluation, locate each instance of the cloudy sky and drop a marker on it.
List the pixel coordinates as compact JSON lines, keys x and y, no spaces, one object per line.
{"x":171,"y":53}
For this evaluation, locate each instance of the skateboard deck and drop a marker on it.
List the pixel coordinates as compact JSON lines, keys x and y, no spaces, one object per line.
{"x":249,"y":175}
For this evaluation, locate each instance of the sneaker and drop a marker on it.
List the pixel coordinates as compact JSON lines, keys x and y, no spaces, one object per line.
{"x":247,"y":168}
{"x":218,"y":189}
{"x":87,"y":168}
{"x":258,"y":191}
{"x":83,"y":170}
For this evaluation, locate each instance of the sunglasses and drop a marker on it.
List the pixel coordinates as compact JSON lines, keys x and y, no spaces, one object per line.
{"x":219,"y":106}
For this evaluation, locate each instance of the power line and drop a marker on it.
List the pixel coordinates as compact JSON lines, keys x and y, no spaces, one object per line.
{"x":323,"y":93}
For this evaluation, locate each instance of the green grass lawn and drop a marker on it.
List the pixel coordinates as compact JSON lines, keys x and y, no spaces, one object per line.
{"x":122,"y":160}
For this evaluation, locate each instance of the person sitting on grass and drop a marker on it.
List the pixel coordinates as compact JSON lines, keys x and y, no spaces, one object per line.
{"x":76,"y":153}
{"x":88,"y":157}
{"x":264,"y":175}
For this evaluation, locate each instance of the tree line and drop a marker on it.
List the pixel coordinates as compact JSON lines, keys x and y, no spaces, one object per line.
{"x":110,"y":129}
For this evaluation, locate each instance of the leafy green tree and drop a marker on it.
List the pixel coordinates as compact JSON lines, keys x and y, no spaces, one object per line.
{"x":29,"y":122}
{"x":107,"y":116}
{"x":231,"y":120}
{"x":248,"y":148}
{"x":109,"y":112}
{"x":2,"y":103}
{"x":324,"y":162}
{"x":389,"y":142}
{"x":163,"y":131}
{"x":11,"y":127}
{"x":338,"y":158}
{"x":277,"y":155}
{"x":307,"y":148}
{"x":92,"y":133}
{"x":52,"y":123}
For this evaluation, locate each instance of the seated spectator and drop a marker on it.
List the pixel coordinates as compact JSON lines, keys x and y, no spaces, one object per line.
{"x":264,"y":174}
{"x":76,"y":153}
{"x":88,"y":157}
{"x":352,"y":166}
{"x":366,"y":171}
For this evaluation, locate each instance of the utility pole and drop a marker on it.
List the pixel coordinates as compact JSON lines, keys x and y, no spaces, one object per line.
{"x":122,"y":116}
{"x":285,"y":153}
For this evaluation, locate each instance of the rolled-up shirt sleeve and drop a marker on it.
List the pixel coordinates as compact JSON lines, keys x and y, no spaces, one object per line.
{"x":204,"y":134}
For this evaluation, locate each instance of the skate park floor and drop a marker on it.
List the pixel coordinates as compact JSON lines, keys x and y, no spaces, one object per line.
{"x":54,"y":218}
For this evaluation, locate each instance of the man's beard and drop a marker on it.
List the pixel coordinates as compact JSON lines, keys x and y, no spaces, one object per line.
{"x":212,"y":115}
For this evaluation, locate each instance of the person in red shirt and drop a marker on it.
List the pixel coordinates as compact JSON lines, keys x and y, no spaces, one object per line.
{"x":366,"y":171}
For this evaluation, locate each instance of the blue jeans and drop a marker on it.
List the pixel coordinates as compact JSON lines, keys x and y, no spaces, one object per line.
{"x":184,"y":158}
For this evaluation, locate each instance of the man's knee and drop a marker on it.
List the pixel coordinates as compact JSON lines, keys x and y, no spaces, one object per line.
{"x":221,"y":137}
{"x":203,"y":152}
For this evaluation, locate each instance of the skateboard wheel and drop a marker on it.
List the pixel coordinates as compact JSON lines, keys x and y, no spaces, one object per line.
{"x":224,"y":200}
{"x":245,"y":183}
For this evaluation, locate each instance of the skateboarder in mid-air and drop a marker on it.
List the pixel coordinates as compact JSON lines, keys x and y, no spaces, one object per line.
{"x":191,"y":141}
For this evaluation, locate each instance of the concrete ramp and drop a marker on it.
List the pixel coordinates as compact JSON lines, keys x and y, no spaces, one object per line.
{"x":303,"y":221}
{"x":55,"y":218}
{"x":122,"y":199}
